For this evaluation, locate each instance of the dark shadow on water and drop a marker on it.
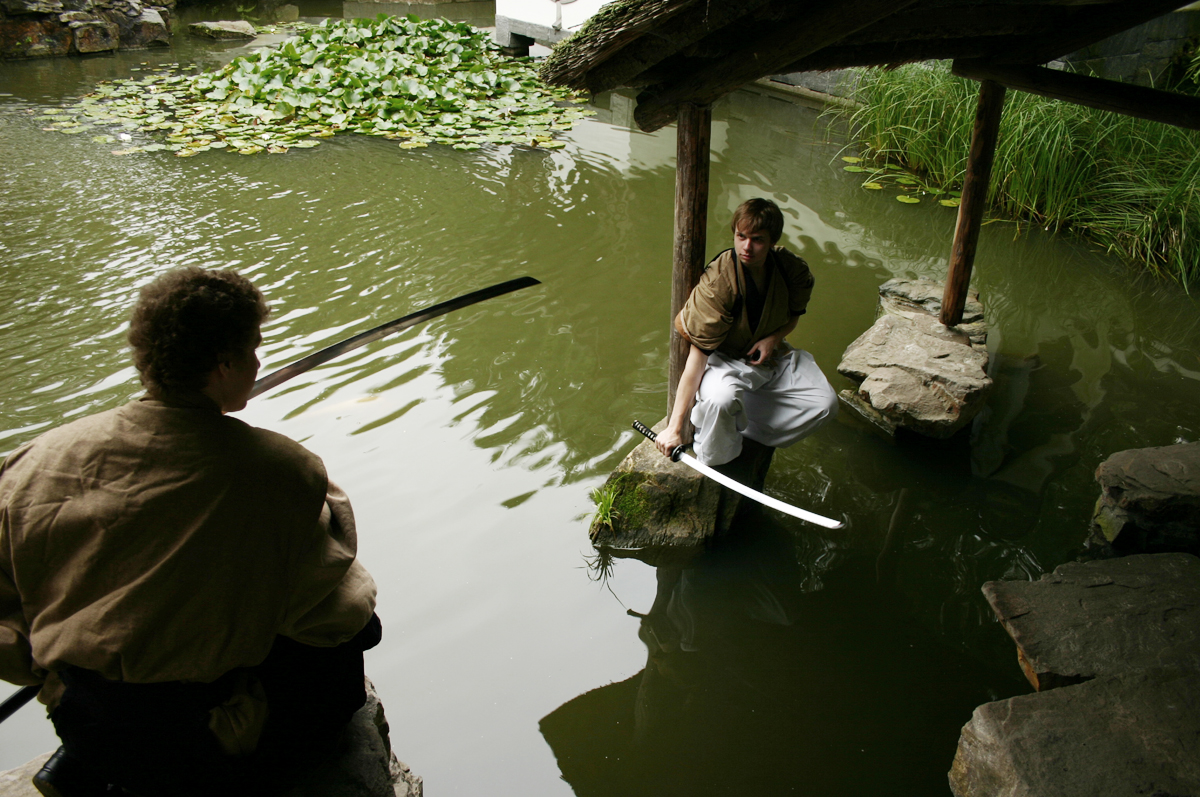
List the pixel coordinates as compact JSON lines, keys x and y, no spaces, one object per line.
{"x":755,"y":686}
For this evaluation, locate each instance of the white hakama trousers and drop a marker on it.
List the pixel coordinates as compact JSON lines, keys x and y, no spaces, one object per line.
{"x":773,"y":405}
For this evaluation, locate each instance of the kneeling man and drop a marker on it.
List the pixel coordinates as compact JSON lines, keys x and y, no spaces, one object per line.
{"x":744,"y":378}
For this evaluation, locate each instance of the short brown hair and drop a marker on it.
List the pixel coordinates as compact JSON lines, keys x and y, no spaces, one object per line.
{"x":759,"y":214}
{"x":186,"y":320}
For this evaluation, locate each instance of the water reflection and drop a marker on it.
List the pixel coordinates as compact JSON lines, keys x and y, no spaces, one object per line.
{"x":756,"y":684}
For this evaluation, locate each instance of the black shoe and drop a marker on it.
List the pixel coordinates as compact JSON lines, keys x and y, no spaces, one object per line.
{"x":64,"y":776}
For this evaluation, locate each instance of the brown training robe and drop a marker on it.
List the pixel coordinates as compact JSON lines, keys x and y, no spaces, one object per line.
{"x":713,"y":319}
{"x":160,"y":542}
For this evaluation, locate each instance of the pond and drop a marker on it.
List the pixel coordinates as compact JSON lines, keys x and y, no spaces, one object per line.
{"x":787,"y":659}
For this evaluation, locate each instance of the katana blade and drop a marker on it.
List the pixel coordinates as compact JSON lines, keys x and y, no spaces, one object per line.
{"x":720,"y":478}
{"x":323,"y":356}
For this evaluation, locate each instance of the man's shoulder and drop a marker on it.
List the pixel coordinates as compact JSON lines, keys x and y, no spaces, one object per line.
{"x":792,"y":264}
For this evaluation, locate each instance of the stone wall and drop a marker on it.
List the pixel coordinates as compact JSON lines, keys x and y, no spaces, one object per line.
{"x":44,"y":28}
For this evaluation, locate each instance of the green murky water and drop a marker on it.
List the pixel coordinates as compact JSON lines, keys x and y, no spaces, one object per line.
{"x":789,"y":659}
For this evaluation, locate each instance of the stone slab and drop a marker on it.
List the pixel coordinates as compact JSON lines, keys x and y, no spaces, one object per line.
{"x":1136,"y":733}
{"x":1091,"y":619}
{"x":918,"y":373}
{"x":1149,"y":501}
{"x":223,"y":30}
{"x":665,"y":511}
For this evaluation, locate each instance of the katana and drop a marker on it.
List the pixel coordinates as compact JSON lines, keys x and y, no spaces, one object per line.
{"x":677,"y":455}
{"x":23,"y":695}
{"x":323,"y":356}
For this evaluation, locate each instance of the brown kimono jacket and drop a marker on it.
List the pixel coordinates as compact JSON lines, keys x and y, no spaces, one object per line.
{"x":162,"y":542}
{"x":715,"y":316}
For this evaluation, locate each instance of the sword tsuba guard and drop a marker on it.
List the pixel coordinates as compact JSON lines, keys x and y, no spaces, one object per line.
{"x":676,"y":452}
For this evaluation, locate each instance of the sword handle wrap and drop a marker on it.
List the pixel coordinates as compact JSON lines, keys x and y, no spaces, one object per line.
{"x":641,"y":427}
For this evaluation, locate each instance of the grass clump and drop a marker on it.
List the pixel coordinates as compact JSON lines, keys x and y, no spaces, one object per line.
{"x":604,"y":498}
{"x":1130,"y":185}
{"x":420,"y":81}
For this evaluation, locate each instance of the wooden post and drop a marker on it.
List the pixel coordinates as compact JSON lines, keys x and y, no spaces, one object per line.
{"x":974,"y":200}
{"x":692,"y":137}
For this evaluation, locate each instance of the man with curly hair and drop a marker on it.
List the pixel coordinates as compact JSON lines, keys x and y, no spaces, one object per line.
{"x":742,"y":379}
{"x":183,"y":586}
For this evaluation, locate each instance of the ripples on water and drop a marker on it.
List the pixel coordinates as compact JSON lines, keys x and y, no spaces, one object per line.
{"x":545,"y":382}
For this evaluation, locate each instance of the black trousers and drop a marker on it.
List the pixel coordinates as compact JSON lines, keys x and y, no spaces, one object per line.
{"x":153,"y":739}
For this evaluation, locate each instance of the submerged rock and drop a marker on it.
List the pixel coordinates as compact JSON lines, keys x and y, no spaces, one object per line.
{"x":364,"y":765}
{"x":1113,"y":648}
{"x":1150,"y":501}
{"x":238,"y":29}
{"x":664,"y":511}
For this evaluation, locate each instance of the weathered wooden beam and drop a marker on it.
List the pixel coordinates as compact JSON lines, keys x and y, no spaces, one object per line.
{"x":675,"y":34}
{"x":974,"y":200}
{"x":1181,"y":110}
{"x":767,"y":49}
{"x":693,"y":139}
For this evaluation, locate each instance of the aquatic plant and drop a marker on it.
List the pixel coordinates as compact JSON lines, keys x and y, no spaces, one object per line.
{"x":604,"y":498}
{"x":1130,"y":185}
{"x":421,"y":81}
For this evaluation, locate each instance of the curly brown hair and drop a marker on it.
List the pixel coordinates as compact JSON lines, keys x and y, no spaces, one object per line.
{"x":759,"y":214}
{"x":187,"y":320}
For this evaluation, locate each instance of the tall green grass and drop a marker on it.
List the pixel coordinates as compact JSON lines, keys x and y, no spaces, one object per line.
{"x":1130,"y":185}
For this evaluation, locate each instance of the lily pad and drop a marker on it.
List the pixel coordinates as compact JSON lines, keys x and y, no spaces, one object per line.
{"x":854,"y":169}
{"x":872,"y":186}
{"x":908,"y":200}
{"x":950,"y":203}
{"x":851,"y":159}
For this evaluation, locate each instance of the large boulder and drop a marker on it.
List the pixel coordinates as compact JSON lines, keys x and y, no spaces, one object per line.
{"x":147,"y":29}
{"x":1137,"y":733}
{"x":1149,"y":501}
{"x":34,"y":38}
{"x":94,"y":36}
{"x":1113,"y":648}
{"x":913,"y":372}
{"x":917,"y":374}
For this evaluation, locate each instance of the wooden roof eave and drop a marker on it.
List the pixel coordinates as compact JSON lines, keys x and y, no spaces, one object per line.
{"x":766,"y":53}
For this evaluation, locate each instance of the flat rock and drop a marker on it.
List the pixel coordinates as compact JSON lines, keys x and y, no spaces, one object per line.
{"x":364,"y":765}
{"x":1136,"y":733}
{"x":664,"y":510}
{"x":1149,"y":501}
{"x":922,"y":297}
{"x":1091,"y":619}
{"x":919,"y":374}
{"x":239,"y":29}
